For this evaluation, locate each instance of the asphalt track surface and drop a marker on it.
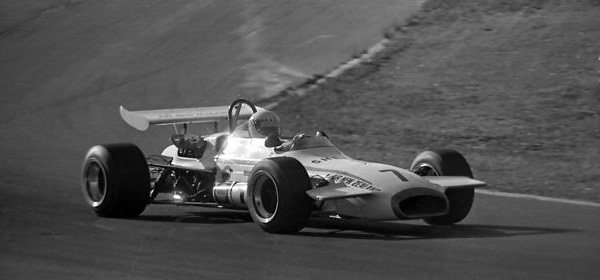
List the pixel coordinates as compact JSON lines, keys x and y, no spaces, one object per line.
{"x":63,"y":75}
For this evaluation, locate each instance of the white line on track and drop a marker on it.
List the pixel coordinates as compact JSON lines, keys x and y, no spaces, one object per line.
{"x":537,"y":197}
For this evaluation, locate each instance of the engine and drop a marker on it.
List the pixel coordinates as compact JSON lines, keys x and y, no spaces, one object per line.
{"x":181,"y":186}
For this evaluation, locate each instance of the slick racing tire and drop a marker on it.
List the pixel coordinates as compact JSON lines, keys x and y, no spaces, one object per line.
{"x":447,"y":163}
{"x":277,"y":197}
{"x":116,"y":181}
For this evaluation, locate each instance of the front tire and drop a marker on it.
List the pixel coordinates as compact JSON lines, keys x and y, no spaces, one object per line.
{"x":447,"y":163}
{"x":277,"y":198}
{"x":116,"y":181}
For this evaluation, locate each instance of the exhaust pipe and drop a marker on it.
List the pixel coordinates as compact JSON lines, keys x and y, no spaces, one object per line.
{"x":231,"y":196}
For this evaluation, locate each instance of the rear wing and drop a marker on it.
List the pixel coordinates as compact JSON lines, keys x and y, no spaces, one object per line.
{"x":141,"y":120}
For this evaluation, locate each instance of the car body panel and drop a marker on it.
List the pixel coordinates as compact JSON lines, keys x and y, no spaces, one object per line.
{"x":353,"y":188}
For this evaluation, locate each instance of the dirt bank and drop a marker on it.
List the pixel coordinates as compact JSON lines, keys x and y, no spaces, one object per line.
{"x":513,"y":85}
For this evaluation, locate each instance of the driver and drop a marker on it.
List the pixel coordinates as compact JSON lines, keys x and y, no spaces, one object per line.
{"x":263,"y":123}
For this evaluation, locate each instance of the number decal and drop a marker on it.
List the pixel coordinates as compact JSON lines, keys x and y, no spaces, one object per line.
{"x":350,"y":182}
{"x":317,"y":161}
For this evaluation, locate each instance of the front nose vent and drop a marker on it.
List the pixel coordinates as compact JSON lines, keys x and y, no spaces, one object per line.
{"x":422,"y":205}
{"x":416,"y":203}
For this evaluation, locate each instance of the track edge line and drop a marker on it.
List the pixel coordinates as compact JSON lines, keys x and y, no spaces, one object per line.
{"x":538,"y":197}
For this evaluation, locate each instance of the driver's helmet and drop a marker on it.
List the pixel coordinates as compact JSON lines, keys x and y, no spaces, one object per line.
{"x":263,"y":123}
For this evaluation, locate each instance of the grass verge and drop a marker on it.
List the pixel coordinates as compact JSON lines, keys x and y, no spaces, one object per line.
{"x":512,"y":84}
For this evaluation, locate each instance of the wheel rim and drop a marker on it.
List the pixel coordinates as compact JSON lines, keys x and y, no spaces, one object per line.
{"x":265,"y":198}
{"x":425,"y":169}
{"x":95,"y":184}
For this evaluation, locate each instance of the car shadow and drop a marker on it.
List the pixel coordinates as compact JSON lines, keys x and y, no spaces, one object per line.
{"x":365,"y":229}
{"x":212,"y":217}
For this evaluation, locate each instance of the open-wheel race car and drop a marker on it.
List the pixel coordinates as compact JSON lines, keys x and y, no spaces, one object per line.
{"x":281,"y":181}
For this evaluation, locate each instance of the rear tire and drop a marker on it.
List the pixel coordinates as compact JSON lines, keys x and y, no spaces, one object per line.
{"x":116,"y":181}
{"x":447,"y":163}
{"x":277,"y":198}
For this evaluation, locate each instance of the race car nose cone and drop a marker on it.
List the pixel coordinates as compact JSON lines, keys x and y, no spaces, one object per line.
{"x":417,"y":203}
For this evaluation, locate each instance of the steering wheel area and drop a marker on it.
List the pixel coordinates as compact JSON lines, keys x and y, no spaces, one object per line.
{"x":234,"y":112}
